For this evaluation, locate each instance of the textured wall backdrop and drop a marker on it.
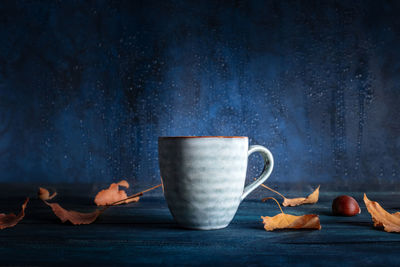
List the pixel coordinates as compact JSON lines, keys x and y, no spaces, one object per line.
{"x":86,"y":87}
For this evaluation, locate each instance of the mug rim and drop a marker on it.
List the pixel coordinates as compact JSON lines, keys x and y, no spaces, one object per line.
{"x":184,"y":137}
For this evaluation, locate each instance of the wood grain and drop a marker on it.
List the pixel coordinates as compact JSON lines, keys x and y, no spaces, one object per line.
{"x":145,"y":233}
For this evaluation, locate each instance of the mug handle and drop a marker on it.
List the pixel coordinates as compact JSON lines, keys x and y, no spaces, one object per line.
{"x":268,"y":166}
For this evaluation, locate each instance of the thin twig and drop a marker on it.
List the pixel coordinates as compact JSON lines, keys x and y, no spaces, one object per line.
{"x":134,"y":195}
{"x":154,"y":187}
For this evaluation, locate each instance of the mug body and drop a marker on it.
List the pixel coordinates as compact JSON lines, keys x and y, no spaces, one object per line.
{"x":203,"y":178}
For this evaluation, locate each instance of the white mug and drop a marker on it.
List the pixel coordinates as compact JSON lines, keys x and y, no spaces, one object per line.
{"x":203,"y":177}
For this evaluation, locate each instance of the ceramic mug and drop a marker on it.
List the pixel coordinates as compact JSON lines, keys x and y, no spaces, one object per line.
{"x":203,"y":177}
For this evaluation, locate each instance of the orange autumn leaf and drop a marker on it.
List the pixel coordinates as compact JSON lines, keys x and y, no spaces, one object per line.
{"x":311,"y":199}
{"x":291,"y":202}
{"x":114,"y":196}
{"x":10,"y":220}
{"x":64,"y":215}
{"x":44,"y":194}
{"x":382,"y":218}
{"x":74,"y":217}
{"x":78,"y":218}
{"x":288,"y":221}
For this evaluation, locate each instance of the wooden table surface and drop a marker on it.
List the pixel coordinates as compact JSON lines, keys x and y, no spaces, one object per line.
{"x":145,"y":233}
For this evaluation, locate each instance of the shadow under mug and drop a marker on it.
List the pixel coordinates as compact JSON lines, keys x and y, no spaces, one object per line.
{"x":204,"y":177}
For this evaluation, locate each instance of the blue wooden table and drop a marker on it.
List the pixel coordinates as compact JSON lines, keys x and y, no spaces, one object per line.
{"x":145,"y":233}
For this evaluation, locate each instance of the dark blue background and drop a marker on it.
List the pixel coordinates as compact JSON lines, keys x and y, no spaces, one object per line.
{"x":87,"y":87}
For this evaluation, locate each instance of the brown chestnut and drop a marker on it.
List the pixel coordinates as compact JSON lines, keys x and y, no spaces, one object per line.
{"x":345,"y":206}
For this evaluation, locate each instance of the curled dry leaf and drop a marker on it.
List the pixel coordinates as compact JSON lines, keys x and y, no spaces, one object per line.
{"x":114,"y":196}
{"x":288,"y":221}
{"x":291,"y":202}
{"x":44,"y":194}
{"x":382,"y":218}
{"x":73,"y":217}
{"x":77,"y":218}
{"x":311,"y":199}
{"x":64,"y":215}
{"x":10,"y":220}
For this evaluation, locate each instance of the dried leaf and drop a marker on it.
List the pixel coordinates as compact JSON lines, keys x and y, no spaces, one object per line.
{"x":10,"y":220}
{"x":73,"y":217}
{"x":77,"y":218}
{"x":382,"y":218}
{"x":311,"y":199}
{"x":288,"y":221}
{"x":291,"y":202}
{"x":112,"y":195}
{"x":64,"y":215}
{"x":44,"y":194}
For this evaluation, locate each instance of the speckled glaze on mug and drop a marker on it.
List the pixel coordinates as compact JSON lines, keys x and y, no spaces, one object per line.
{"x":203,"y":177}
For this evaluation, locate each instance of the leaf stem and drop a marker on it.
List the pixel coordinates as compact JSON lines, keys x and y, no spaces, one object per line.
{"x":270,"y":189}
{"x":279,"y":205}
